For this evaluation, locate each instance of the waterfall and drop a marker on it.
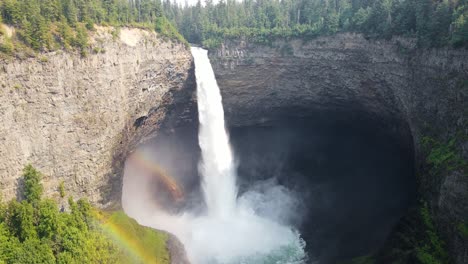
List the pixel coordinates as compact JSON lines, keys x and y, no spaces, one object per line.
{"x":217,"y":164}
{"x":231,"y":232}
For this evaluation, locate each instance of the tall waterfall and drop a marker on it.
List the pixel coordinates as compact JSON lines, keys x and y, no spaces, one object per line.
{"x":231,"y":232}
{"x":217,"y":164}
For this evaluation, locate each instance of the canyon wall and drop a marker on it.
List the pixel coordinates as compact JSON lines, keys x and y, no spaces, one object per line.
{"x":76,"y":118}
{"x":427,"y":90}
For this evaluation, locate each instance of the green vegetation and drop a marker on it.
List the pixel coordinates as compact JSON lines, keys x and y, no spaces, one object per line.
{"x":34,"y":230}
{"x":32,"y":184}
{"x":153,"y":243}
{"x":6,"y":46}
{"x":443,"y":157}
{"x":43,"y":59}
{"x":432,"y":249}
{"x":415,"y":241}
{"x":54,"y":24}
{"x":463,"y":229}
{"x":62,"y":189}
{"x":434,"y":23}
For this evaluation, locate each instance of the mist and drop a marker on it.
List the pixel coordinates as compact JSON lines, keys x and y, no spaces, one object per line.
{"x":222,"y":227}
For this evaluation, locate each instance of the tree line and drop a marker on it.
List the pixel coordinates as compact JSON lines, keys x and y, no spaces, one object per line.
{"x":51,"y":24}
{"x":432,"y":22}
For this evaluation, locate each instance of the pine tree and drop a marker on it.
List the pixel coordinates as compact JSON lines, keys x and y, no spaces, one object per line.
{"x":70,"y":11}
{"x":48,"y":225}
{"x":32,"y":184}
{"x":66,"y":33}
{"x":81,"y":40}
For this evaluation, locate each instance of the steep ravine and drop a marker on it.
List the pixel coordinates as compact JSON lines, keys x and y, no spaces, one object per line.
{"x":392,"y":82}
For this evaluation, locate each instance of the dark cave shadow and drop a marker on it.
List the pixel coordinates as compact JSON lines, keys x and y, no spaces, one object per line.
{"x":356,"y":176}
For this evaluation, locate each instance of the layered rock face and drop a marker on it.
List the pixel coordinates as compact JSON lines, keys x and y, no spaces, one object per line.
{"x":425,"y":90}
{"x":76,"y":119}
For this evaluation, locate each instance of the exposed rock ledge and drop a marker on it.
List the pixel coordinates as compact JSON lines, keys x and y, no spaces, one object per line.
{"x":75,"y":118}
{"x":176,"y":250}
{"x":426,"y":89}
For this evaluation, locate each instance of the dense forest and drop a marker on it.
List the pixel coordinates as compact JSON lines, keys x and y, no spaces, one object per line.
{"x":433,"y":22}
{"x":46,"y":25}
{"x":53,"y":24}
{"x":37,"y":230}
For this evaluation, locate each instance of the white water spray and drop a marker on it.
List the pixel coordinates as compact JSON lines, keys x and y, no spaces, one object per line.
{"x":230,"y":231}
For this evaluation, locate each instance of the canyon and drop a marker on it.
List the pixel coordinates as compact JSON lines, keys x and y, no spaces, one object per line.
{"x":77,"y":119}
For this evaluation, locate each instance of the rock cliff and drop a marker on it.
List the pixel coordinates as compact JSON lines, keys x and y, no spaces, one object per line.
{"x":76,"y":118}
{"x":426,"y":90}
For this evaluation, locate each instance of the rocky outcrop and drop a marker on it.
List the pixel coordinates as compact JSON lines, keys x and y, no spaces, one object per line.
{"x":76,"y":118}
{"x":426,"y":89}
{"x":176,"y":250}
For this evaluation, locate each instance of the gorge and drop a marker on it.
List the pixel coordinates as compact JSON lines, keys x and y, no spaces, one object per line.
{"x":339,"y":120}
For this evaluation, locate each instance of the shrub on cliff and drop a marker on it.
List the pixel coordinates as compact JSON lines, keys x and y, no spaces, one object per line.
{"x":165,"y":28}
{"x":6,"y":46}
{"x":443,"y":157}
{"x":415,"y":240}
{"x":32,"y":184}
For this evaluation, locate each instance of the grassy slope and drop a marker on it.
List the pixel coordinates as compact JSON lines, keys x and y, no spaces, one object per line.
{"x":151,"y":243}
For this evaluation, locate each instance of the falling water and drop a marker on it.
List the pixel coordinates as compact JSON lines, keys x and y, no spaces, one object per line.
{"x":217,"y":164}
{"x":235,"y":228}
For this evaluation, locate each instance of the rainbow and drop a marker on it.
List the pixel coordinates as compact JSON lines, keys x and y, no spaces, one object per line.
{"x":169,"y":183}
{"x":131,"y":245}
{"x":125,"y":239}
